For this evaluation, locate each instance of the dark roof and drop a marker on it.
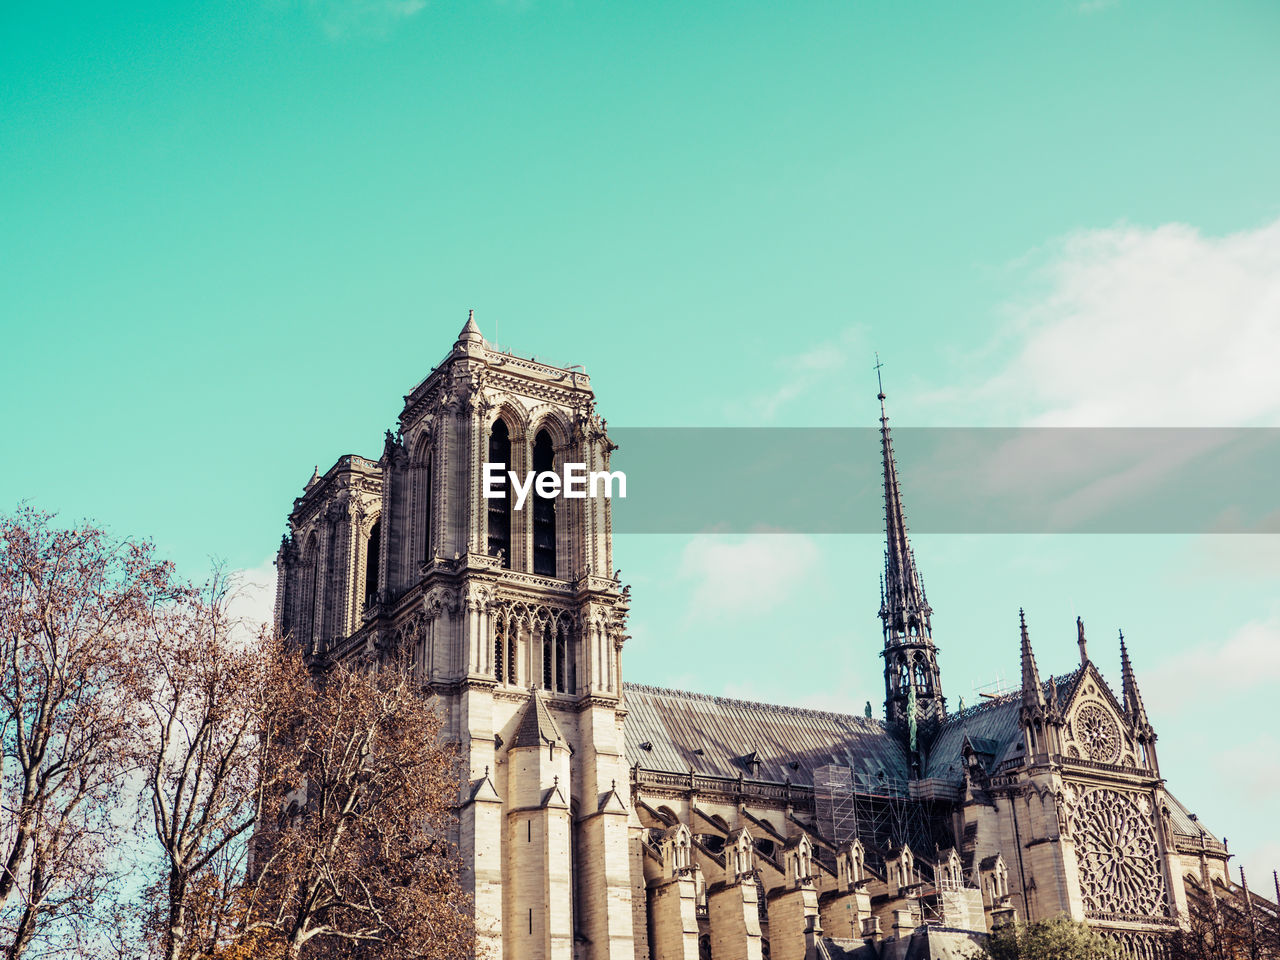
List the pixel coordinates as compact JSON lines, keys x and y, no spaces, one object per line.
{"x":713,"y":735}
{"x":1184,"y":824}
{"x":993,"y":724}
{"x":537,"y":726}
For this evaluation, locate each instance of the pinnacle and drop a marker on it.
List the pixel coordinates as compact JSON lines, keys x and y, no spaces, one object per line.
{"x":470,"y":332}
{"x":1031,"y":688}
{"x":1129,"y":686}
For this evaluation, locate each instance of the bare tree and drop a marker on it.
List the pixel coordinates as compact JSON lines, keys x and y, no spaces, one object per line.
{"x":1223,"y":927}
{"x":361,"y":863}
{"x":285,"y":815}
{"x":215,"y":698}
{"x":71,"y":605}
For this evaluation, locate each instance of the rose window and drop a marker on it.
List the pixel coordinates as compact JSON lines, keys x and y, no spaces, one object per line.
{"x":1097,"y":733}
{"x":1119,"y":857}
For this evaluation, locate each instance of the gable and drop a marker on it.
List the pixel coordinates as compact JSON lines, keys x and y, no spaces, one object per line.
{"x":1096,"y":728}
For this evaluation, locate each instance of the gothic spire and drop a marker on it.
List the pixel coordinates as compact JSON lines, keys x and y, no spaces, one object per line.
{"x":1133,"y":705}
{"x":903,"y":604}
{"x":1032,"y":690}
{"x":913,"y":683}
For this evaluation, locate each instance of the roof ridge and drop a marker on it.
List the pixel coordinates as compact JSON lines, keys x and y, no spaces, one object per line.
{"x":756,"y":704}
{"x":1012,"y":696}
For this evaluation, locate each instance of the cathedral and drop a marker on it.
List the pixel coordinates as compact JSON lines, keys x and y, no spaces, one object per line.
{"x":605,"y":820}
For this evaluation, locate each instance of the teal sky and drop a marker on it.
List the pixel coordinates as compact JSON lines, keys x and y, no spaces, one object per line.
{"x":233,"y":235}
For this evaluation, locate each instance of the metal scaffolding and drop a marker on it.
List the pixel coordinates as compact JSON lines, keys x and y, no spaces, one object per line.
{"x":878,"y":810}
{"x":833,"y":802}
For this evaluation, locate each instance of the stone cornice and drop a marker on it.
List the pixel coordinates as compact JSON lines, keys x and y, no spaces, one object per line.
{"x":587,"y":701}
{"x":664,"y":783}
{"x":362,"y":474}
{"x":503,"y":372}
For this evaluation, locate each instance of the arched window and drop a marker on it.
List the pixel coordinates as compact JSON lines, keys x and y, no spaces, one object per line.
{"x":922,"y":674}
{"x":327,"y":586}
{"x":904,"y":674}
{"x":511,"y":653}
{"x":424,"y":493}
{"x":307,"y":595}
{"x":544,"y":511}
{"x":499,"y":647}
{"x":372,"y":561}
{"x":548,"y":656}
{"x":500,"y":507}
{"x":564,"y":662}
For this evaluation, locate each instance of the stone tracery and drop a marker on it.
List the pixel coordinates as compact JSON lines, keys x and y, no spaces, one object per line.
{"x":1119,"y":856}
{"x":1097,"y":733}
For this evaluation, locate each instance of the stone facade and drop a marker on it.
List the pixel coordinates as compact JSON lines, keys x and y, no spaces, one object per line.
{"x":609,"y":820}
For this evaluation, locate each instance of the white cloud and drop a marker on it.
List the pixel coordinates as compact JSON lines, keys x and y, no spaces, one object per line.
{"x":745,"y":576}
{"x":805,"y":373}
{"x":1130,"y":327}
{"x":1248,"y":660}
{"x":254,"y":595}
{"x":1061,"y":480}
{"x":1258,"y":861}
{"x":1246,"y":559}
{"x":1137,"y":326}
{"x":1253,"y":771}
{"x":343,"y":18}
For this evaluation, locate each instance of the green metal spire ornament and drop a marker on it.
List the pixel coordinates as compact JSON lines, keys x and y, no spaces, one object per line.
{"x":911,"y":714}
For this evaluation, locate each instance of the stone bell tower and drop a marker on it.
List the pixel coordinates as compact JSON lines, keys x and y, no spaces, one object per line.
{"x":511,"y":614}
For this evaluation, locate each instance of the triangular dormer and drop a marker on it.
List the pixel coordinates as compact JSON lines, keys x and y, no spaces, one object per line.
{"x":798,"y":857}
{"x":739,"y":856}
{"x":851,"y":864}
